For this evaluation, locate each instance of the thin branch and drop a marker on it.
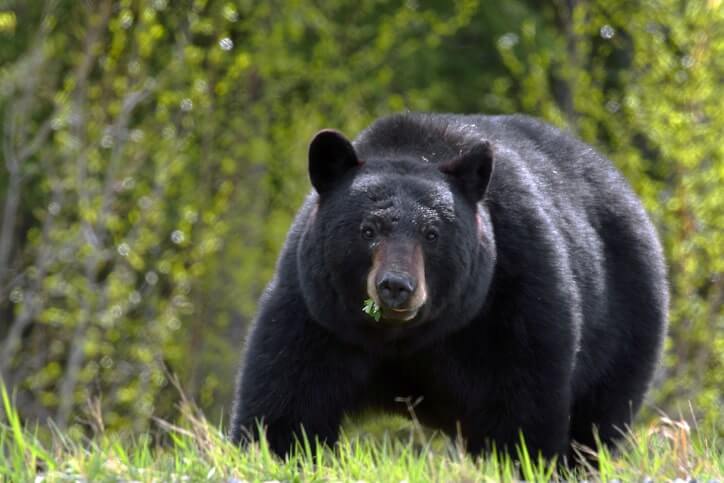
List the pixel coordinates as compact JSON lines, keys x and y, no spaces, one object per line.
{"x":7,"y":230}
{"x":41,"y":136}
{"x":77,"y":349}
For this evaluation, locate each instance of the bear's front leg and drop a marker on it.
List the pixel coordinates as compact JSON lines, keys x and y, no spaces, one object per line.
{"x":514,"y":382}
{"x":502,"y":405}
{"x":542,"y":421}
{"x":295,"y":377}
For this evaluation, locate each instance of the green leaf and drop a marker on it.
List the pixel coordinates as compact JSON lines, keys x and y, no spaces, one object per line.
{"x":372,"y":309}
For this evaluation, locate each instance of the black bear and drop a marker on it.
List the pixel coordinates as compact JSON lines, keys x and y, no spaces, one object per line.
{"x":519,"y":284}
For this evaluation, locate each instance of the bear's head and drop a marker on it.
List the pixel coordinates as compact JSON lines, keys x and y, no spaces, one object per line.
{"x":410,"y":235}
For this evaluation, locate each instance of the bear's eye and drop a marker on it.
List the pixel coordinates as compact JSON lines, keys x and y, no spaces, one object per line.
{"x":368,"y":233}
{"x":431,"y":235}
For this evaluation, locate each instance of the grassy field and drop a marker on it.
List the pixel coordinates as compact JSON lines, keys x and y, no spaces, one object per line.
{"x":197,"y":451}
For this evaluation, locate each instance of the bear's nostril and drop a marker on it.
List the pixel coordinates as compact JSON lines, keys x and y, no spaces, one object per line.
{"x":395,"y":289}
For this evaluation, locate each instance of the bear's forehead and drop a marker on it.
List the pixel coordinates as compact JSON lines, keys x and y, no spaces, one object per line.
{"x":412,"y":195}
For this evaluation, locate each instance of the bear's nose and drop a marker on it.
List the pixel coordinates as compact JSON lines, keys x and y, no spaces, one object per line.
{"x":395,"y":289}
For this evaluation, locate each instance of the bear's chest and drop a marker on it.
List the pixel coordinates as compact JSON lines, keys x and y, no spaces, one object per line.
{"x":423,"y":387}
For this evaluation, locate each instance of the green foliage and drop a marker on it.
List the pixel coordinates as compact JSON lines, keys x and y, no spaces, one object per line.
{"x":154,"y":155}
{"x":167,"y":164}
{"x":372,"y":309}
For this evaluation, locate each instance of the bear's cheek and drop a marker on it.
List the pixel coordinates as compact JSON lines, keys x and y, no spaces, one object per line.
{"x":351,"y":267}
{"x":443,"y":273}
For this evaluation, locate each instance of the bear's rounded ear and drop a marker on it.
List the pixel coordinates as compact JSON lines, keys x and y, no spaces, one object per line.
{"x":471,"y":171}
{"x":331,"y":155}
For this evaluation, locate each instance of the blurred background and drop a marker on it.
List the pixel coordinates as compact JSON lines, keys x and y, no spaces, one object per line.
{"x":154,"y":153}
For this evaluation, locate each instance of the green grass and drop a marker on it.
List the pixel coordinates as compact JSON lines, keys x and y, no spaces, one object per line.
{"x":197,"y":451}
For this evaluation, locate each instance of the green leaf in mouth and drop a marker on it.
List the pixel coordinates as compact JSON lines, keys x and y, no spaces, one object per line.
{"x":372,"y":309}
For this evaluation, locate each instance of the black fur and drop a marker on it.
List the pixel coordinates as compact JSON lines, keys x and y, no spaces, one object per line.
{"x":547,"y":298}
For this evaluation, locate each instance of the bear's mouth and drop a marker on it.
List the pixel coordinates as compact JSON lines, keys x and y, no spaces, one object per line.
{"x":399,"y":315}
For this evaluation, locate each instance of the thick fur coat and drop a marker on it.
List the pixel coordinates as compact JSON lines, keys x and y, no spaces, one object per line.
{"x":521,"y":284}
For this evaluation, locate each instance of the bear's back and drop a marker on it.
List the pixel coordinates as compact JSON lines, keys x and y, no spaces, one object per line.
{"x":545,"y":158}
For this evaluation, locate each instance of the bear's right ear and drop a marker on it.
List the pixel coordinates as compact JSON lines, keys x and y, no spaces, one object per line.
{"x":471,"y":171}
{"x":331,"y":155}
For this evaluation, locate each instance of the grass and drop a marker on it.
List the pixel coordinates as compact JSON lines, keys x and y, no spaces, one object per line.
{"x":195,"y":450}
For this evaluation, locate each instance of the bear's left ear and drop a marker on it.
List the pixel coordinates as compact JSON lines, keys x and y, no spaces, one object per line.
{"x":471,"y":171}
{"x":331,"y":155}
